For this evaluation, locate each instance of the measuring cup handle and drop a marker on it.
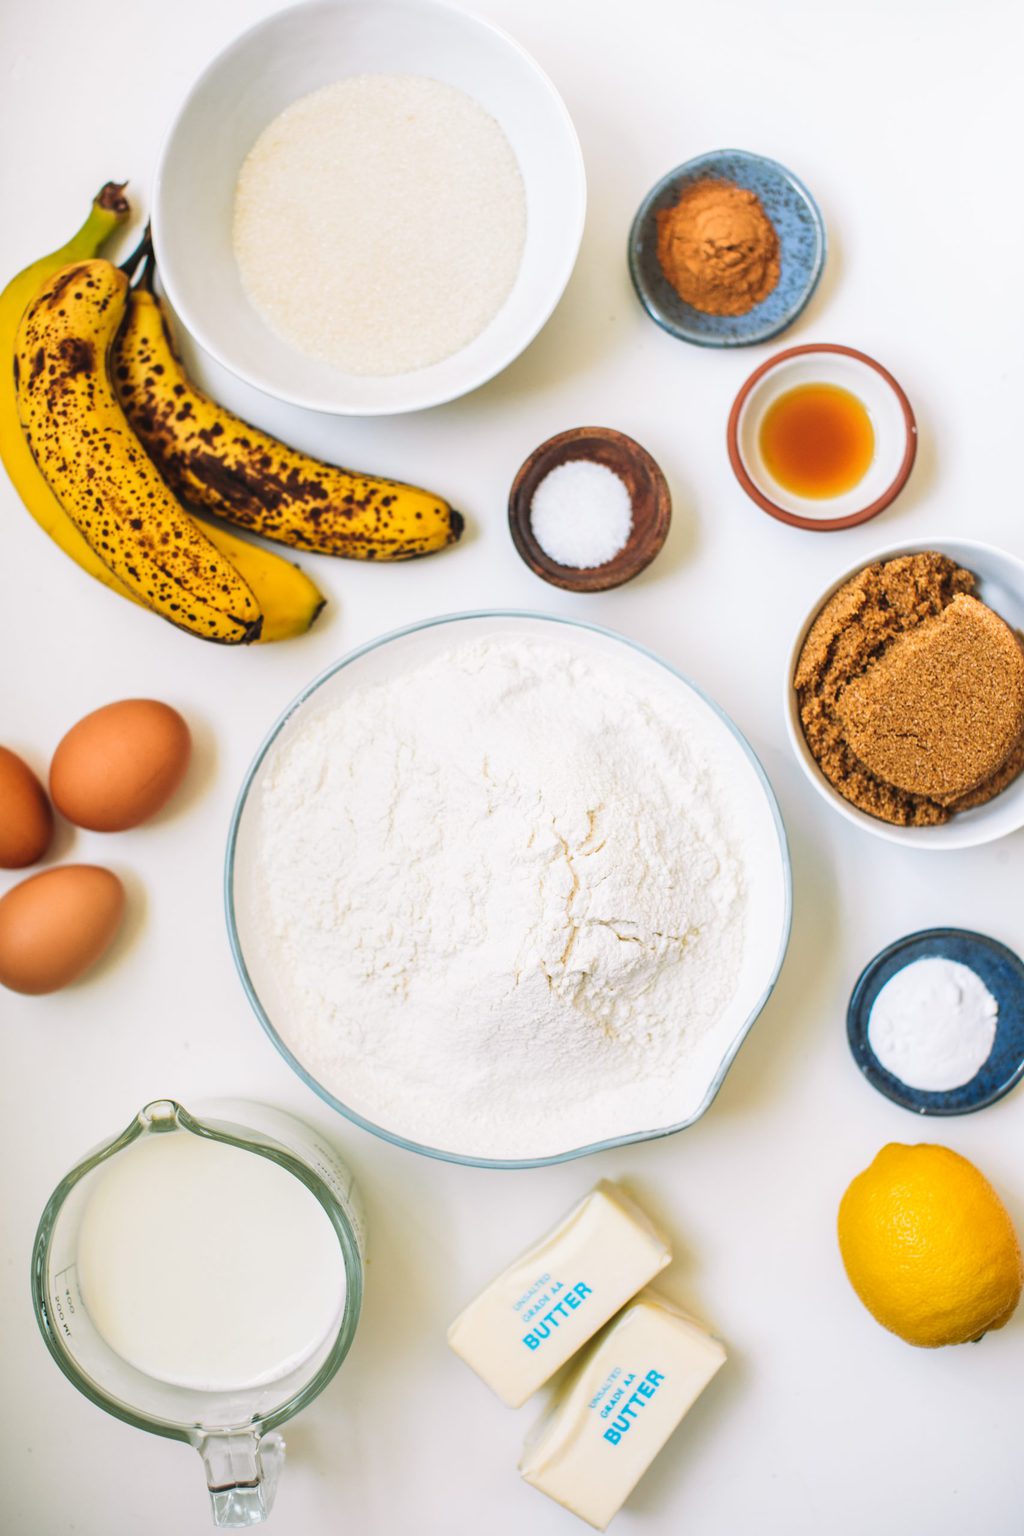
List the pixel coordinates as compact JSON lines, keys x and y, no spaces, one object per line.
{"x":241,"y":1473}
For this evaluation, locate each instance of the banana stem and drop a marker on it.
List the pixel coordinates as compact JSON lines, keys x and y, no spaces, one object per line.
{"x":111,"y":198}
{"x":141,"y":253}
{"x":109,"y":208}
{"x":148,"y":272}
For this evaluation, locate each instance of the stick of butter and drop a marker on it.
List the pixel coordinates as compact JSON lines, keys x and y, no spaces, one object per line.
{"x":632,"y":1389}
{"x":534,"y":1316}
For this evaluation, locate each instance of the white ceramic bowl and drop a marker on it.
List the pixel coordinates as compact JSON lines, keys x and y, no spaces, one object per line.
{"x":298,"y":51}
{"x":1000,"y":585}
{"x":891,"y":417}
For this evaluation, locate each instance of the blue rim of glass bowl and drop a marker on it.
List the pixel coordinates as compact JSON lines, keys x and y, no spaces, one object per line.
{"x":987,"y":957}
{"x":392,"y":1136}
{"x":686,"y":171}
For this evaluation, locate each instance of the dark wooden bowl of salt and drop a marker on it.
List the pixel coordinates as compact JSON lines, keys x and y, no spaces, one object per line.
{"x":648,"y":494}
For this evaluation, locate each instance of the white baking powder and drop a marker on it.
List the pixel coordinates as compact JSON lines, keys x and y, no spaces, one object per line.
{"x":502,"y":894}
{"x":581,"y":514}
{"x":933,"y":1024}
{"x":379,"y":222}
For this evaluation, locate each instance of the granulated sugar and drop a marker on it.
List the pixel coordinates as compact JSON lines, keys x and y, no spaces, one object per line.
{"x":502,"y":894}
{"x":379,"y":223}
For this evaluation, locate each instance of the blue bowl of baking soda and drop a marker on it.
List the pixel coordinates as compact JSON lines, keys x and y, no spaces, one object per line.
{"x":934,"y":1007}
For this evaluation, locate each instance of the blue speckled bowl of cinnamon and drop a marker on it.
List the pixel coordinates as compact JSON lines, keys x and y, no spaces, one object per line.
{"x":799,"y":228}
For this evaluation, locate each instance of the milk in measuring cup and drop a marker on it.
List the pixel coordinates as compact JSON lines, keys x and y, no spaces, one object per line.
{"x":207,"y":1266}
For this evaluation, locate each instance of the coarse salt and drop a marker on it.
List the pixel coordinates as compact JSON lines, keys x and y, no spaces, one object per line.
{"x":581,"y":514}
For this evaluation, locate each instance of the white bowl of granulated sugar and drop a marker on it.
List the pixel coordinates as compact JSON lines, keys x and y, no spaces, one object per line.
{"x":369,"y":206}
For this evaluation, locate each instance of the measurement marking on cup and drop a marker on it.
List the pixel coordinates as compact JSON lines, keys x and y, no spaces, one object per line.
{"x":68,"y":1299}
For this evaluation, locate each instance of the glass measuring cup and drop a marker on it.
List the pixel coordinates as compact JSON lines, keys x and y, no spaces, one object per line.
{"x":233,"y":1430}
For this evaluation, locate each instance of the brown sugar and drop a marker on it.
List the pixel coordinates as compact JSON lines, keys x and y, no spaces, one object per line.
{"x":911,"y":692}
{"x":940,"y":710}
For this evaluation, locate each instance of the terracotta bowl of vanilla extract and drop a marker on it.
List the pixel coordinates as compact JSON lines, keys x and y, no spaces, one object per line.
{"x":822,"y":437}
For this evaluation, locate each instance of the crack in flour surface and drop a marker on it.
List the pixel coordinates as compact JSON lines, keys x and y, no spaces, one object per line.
{"x":504,"y":896}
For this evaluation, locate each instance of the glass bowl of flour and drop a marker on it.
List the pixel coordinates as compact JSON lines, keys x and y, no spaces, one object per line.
{"x":507,"y":889}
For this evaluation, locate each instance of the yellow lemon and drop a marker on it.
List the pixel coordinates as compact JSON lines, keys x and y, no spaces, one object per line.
{"x":929,"y":1246}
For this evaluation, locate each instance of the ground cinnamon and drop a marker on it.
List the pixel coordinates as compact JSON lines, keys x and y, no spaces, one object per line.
{"x":718,"y":248}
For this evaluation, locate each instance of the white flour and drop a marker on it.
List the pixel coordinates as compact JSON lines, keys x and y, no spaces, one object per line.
{"x":504,"y":897}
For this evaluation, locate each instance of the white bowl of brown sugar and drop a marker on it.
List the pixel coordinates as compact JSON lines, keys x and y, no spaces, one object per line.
{"x":905,"y":694}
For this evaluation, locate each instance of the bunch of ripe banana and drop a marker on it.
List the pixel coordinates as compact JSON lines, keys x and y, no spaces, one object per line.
{"x":102,"y":431}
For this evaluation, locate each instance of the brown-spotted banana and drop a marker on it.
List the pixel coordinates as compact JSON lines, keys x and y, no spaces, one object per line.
{"x":287,"y":597}
{"x":98,"y":470}
{"x":219,"y":462}
{"x":109,"y":210}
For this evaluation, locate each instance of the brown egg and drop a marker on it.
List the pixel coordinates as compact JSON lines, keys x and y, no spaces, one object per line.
{"x":26,"y":821}
{"x":55,"y":925}
{"x":120,"y":765}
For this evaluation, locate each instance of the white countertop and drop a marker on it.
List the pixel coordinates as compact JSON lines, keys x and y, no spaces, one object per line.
{"x":900,"y":115}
